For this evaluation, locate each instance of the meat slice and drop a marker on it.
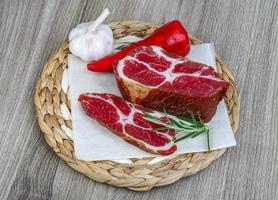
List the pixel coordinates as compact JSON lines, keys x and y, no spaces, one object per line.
{"x":127,"y":121}
{"x":155,"y":79}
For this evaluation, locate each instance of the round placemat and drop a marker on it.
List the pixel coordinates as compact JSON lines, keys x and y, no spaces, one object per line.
{"x":52,"y":104}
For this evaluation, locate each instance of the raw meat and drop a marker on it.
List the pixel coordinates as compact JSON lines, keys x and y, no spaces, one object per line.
{"x":126,"y":120}
{"x":155,"y":79}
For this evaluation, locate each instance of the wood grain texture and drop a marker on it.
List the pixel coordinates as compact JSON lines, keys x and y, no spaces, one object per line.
{"x":245,"y":36}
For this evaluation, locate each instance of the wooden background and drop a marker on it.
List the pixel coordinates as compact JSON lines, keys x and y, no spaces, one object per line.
{"x":245,"y":36}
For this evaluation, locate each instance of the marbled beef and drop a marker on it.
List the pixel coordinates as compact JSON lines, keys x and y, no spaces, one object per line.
{"x":155,"y":79}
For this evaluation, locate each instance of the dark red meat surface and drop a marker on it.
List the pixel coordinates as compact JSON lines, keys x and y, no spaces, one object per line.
{"x":150,"y":77}
{"x":126,"y":120}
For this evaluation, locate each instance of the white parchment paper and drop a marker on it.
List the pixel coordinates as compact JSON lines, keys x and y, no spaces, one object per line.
{"x":94,"y":142}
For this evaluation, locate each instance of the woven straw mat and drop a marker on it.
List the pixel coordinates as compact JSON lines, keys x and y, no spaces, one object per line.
{"x":53,"y":106}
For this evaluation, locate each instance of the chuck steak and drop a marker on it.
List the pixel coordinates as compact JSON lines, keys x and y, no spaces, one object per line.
{"x":126,"y":120}
{"x":155,"y":79}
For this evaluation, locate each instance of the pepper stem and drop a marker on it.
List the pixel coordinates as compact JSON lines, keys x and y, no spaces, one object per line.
{"x":99,"y":20}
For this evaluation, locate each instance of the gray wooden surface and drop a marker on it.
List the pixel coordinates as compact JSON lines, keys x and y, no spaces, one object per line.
{"x":245,"y":36}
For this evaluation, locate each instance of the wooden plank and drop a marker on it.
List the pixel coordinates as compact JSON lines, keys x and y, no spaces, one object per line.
{"x":28,"y":37}
{"x":245,"y":36}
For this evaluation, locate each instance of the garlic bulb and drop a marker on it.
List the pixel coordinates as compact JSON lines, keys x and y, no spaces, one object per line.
{"x":92,"y":40}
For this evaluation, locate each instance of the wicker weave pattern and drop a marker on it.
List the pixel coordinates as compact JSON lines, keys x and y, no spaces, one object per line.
{"x":139,"y":175}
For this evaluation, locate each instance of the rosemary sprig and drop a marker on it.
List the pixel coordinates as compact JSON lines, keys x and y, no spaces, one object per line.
{"x":184,"y":127}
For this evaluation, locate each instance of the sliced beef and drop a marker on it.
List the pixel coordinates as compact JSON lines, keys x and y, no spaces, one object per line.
{"x":155,"y":79}
{"x":126,"y":120}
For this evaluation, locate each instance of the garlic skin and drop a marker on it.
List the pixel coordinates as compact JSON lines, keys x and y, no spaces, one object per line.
{"x":91,"y":41}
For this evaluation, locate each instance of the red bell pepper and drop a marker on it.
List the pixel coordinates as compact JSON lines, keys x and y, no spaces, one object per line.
{"x":172,"y":37}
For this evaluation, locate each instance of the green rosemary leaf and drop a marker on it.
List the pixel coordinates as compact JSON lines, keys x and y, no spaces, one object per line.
{"x":155,"y":121}
{"x":165,"y":114}
{"x":200,"y":131}
{"x":188,"y":130}
{"x":182,"y":123}
{"x":193,"y":118}
{"x":196,"y":134}
{"x":186,"y":119}
{"x":146,"y":114}
{"x":189,"y":127}
{"x":189,"y":122}
{"x":183,"y":137}
{"x":208,"y":140}
{"x":175,"y":122}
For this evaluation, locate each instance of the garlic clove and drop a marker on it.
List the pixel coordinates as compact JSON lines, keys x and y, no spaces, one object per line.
{"x":105,"y":30}
{"x":79,"y":30}
{"x":81,"y":47}
{"x":101,"y":45}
